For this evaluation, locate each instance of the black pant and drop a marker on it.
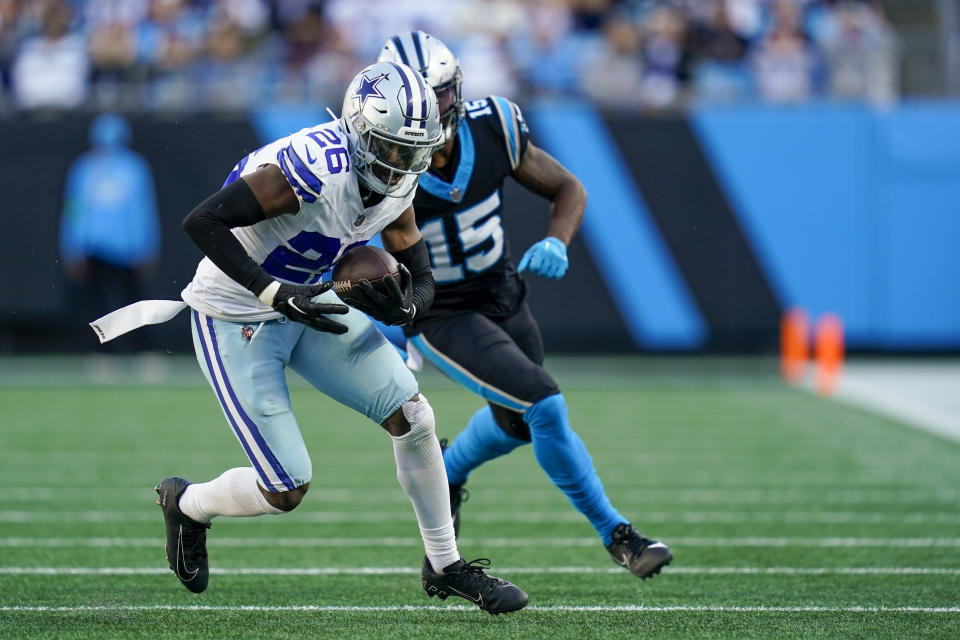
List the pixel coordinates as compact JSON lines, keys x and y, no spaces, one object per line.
{"x":506,"y":355}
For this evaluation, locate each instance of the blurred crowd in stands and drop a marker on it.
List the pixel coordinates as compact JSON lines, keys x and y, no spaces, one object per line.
{"x":629,"y":54}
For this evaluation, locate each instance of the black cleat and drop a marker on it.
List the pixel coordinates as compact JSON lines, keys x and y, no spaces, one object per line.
{"x":458,"y":495}
{"x":641,"y":556}
{"x":186,"y":539}
{"x":469,"y":581}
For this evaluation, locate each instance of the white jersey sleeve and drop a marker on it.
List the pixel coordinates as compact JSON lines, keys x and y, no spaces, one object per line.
{"x":297,"y":248}
{"x":312,"y":157}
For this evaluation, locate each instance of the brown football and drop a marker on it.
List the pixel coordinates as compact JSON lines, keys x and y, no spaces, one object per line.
{"x":359,"y":263}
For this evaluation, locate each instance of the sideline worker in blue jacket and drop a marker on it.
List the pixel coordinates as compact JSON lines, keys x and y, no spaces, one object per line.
{"x":109,"y":234}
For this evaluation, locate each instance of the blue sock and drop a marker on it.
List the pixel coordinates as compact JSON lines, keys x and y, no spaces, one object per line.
{"x":482,"y":440}
{"x":562,"y":454}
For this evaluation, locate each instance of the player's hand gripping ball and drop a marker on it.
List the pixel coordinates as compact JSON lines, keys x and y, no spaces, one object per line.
{"x":371,"y":280}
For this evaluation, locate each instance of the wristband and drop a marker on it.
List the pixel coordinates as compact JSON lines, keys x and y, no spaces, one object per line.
{"x":269,"y":293}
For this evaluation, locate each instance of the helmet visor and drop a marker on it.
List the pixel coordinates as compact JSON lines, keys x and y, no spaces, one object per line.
{"x":400,"y":156}
{"x":389,"y":161}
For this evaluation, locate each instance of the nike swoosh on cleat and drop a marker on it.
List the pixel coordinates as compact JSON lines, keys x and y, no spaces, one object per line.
{"x":624,"y":560}
{"x":478,"y":600}
{"x":182,"y":560}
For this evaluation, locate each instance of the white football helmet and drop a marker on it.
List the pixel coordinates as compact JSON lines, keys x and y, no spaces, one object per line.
{"x":393,"y":122}
{"x":438,"y":65}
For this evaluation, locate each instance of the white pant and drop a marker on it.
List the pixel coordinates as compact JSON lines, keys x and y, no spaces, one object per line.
{"x":245,"y":363}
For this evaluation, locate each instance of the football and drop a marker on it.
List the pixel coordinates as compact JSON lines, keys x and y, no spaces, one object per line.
{"x":359,"y":263}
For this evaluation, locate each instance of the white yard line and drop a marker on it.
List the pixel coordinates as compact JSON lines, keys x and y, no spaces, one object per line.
{"x":923,"y":395}
{"x":681,"y":541}
{"x":532,"y":608}
{"x":526,"y":517}
{"x":821,"y":493}
{"x":387,"y":571}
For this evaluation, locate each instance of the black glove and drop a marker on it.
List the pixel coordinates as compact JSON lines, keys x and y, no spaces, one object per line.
{"x":295,"y":302}
{"x":394,"y":308}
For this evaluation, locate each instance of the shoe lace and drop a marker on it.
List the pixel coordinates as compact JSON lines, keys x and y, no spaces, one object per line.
{"x":475,"y":569}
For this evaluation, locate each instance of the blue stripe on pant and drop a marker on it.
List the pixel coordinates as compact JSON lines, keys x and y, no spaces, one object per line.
{"x":463,"y":377}
{"x":271,"y":472}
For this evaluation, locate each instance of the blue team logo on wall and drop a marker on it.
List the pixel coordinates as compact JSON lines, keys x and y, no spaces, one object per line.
{"x":368,"y":88}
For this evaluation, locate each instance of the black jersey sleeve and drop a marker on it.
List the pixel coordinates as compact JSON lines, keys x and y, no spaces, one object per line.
{"x":209,"y":224}
{"x":516,"y":133}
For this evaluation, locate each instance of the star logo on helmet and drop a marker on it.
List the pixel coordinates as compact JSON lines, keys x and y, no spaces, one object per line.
{"x":368,"y":88}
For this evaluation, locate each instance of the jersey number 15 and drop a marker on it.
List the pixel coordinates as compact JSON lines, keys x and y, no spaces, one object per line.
{"x":471,"y":234}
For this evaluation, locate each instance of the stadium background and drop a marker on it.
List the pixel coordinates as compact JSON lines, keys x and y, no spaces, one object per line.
{"x":797,"y":153}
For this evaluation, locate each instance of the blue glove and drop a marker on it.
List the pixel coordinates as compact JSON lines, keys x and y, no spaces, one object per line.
{"x":547,"y":258}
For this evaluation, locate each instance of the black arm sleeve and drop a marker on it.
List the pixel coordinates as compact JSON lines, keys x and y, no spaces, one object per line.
{"x":209,"y":224}
{"x":417,"y":260}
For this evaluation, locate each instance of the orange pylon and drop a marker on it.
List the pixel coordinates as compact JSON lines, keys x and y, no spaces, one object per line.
{"x":828,"y":344}
{"x":794,"y":345}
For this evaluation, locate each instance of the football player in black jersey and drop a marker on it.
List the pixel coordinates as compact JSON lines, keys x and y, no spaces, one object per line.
{"x":479,"y":330}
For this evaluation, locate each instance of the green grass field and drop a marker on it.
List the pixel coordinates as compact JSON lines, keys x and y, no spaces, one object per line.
{"x":790,"y":516}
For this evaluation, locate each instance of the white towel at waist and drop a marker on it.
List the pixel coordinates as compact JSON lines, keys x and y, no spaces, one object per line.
{"x":133,"y":316}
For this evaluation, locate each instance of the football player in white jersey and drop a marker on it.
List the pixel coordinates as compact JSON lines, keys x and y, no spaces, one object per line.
{"x":285,"y":215}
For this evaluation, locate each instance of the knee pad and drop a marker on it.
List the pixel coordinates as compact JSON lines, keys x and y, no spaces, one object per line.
{"x":419,"y":414}
{"x":418,"y":448}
